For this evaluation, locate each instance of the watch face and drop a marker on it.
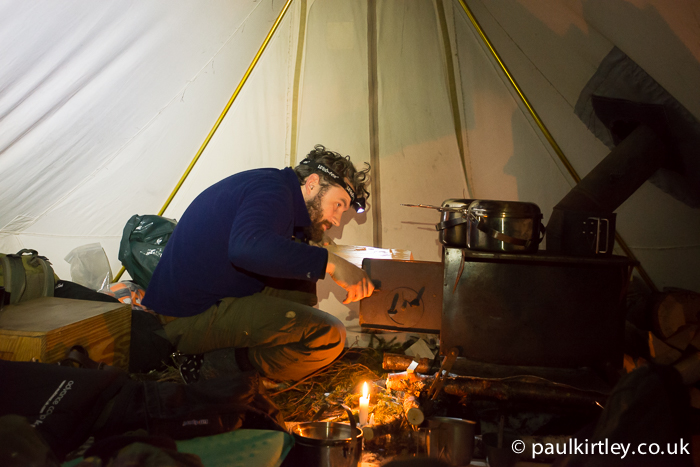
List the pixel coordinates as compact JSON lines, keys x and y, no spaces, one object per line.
{"x":189,"y":367}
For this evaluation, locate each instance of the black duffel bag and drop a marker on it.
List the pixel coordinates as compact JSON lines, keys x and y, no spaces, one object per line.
{"x":182,"y":411}
{"x":61,"y":402}
{"x":67,"y":405}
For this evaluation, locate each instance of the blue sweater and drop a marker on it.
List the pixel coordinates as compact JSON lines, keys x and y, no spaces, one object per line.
{"x":233,"y":236}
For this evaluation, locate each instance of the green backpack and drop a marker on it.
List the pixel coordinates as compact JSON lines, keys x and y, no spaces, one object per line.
{"x":26,"y":276}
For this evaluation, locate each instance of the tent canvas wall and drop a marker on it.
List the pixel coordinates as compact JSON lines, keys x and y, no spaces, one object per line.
{"x":104,"y":104}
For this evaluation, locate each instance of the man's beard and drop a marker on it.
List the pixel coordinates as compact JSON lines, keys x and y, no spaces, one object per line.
{"x":314,"y":232}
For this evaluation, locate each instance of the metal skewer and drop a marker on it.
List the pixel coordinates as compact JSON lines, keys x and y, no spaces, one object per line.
{"x":439,"y":208}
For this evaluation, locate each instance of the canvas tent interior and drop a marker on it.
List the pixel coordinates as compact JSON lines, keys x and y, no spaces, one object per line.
{"x":103,"y":106}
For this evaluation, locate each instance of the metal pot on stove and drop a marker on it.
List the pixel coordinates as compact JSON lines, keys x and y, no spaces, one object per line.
{"x":452,"y":227}
{"x":491,"y":226}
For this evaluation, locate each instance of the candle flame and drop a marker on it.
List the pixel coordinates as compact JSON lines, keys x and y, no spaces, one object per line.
{"x":365,"y":390}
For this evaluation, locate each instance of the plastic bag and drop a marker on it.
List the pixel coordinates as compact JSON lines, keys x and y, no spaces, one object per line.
{"x":143,"y":241}
{"x":89,"y":266}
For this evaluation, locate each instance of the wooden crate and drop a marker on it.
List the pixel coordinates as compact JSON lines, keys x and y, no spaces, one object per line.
{"x":46,"y":328}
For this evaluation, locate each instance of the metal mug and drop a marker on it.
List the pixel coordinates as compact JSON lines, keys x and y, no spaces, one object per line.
{"x":450,"y":440}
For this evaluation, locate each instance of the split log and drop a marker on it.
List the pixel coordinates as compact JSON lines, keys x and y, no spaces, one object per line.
{"x":400,"y":362}
{"x":370,"y":432}
{"x":690,"y":302}
{"x":660,"y":352}
{"x":667,"y":316}
{"x":521,"y":391}
{"x":464,"y":386}
{"x":689,"y":368}
{"x":681,"y":339}
{"x":410,"y":382}
{"x":374,"y":431}
{"x":412,"y":410}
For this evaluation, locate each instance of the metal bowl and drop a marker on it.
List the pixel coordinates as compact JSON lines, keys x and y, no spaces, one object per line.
{"x":325,"y":433}
{"x":326,"y":444}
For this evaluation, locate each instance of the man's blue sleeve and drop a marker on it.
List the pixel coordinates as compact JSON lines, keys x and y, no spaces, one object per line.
{"x":260,"y":240}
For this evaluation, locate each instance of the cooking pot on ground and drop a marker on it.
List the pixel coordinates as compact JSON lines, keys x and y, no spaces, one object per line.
{"x":326,"y":444}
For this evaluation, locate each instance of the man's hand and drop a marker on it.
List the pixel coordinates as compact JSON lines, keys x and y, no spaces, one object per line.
{"x":350,"y":277}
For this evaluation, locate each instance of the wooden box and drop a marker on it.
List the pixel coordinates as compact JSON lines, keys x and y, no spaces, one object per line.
{"x":46,"y":328}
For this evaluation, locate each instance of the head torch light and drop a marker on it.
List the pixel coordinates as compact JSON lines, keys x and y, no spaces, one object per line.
{"x":356,"y":202}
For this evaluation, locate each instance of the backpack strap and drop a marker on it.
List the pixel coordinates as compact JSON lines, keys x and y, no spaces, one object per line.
{"x":13,"y":276}
{"x":49,"y":280}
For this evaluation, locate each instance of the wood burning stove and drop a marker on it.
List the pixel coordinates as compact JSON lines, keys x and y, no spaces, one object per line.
{"x":539,"y":310}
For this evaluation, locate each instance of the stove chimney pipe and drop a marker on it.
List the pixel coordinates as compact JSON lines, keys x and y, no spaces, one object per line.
{"x":583,"y":222}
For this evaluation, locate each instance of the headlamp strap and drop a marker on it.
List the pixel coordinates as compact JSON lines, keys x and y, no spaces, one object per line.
{"x":319,"y":167}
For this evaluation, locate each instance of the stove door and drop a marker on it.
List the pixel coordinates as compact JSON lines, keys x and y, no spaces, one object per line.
{"x":409,"y":296}
{"x":534,"y":310}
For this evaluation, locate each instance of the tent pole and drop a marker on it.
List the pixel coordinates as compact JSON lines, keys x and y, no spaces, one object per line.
{"x":623,"y":245}
{"x":373,"y":104}
{"x":228,"y":106}
{"x":297,"y":82}
{"x":454,"y":100}
{"x":520,"y":93}
{"x":221,"y":117}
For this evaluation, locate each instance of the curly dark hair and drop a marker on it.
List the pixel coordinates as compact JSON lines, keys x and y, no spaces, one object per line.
{"x":341,"y":165}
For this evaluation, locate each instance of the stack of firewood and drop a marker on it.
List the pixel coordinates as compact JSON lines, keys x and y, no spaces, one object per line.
{"x":675,"y":338}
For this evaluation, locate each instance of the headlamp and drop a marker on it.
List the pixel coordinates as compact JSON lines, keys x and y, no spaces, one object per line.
{"x":356,"y":202}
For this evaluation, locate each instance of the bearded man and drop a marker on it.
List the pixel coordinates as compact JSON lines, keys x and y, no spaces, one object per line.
{"x":238,"y":273}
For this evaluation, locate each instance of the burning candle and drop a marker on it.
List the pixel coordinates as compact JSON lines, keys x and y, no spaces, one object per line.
{"x":364,"y":404}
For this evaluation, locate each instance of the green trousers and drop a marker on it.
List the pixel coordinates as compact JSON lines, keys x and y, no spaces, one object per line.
{"x":287,"y":338}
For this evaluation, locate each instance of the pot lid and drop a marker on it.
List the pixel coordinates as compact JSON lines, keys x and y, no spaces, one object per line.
{"x":494,"y":208}
{"x":456,"y":203}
